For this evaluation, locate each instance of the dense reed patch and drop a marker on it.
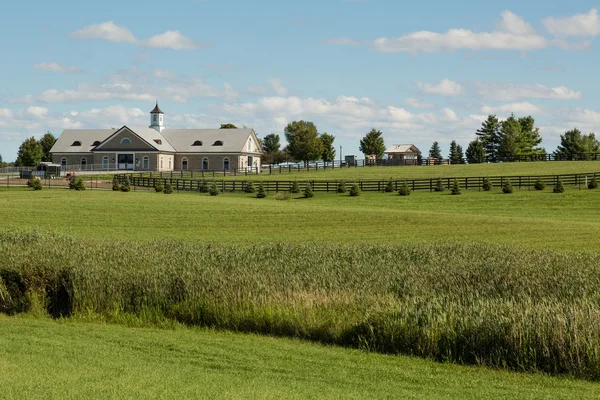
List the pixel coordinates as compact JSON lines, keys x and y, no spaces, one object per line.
{"x":480,"y":304}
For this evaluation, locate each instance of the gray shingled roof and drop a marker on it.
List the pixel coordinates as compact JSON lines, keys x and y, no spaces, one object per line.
{"x":87,"y":137}
{"x":149,"y":134}
{"x":401,"y":148}
{"x":183,"y":139}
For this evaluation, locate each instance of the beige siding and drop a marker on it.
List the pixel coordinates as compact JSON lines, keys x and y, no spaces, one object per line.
{"x":136,"y":145}
{"x":166,"y":162}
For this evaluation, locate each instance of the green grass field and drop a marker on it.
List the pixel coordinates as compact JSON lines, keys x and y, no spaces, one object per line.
{"x":433,"y":171}
{"x":40,"y":358}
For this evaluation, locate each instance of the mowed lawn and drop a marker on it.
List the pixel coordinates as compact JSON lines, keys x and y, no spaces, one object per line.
{"x":410,"y":172}
{"x":532,"y":219}
{"x":42,"y":359}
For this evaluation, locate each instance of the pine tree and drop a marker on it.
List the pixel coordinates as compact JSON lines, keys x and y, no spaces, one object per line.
{"x":308,"y":192}
{"x":454,"y":156}
{"x":355,"y":190}
{"x":439,"y":187}
{"x":539,"y":184}
{"x":489,"y":134}
{"x":341,"y":187}
{"x":295,"y":187}
{"x":593,"y":184}
{"x":475,"y":152}
{"x":455,"y":188}
{"x":559,"y":187}
{"x":261,"y":193}
{"x":461,"y":154}
{"x":212,"y":189}
{"x":435,"y":151}
{"x":404,"y":189}
{"x":510,"y":138}
{"x":168,"y":189}
{"x":126,"y":186}
{"x":159,"y":188}
{"x":487,"y":185}
{"x":529,"y":138}
{"x":389,"y":188}
{"x":249,"y":187}
{"x":116,"y":186}
{"x":508,"y":187}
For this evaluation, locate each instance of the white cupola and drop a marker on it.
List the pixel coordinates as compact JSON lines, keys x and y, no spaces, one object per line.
{"x":156,"y":119}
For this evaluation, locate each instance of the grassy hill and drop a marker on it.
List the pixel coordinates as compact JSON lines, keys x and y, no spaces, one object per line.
{"x":40,"y":358}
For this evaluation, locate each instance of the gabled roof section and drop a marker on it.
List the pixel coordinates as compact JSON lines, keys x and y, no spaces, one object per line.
{"x":234,"y":140}
{"x":151,"y":136}
{"x":403,"y":148}
{"x":87,"y":137}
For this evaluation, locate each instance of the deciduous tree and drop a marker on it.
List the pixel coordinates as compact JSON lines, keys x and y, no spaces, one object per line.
{"x":228,"y":126}
{"x":328,"y":149}
{"x":303,"y":141}
{"x":373,"y":144}
{"x":30,"y":153}
{"x":574,"y":144}
{"x":47,"y":141}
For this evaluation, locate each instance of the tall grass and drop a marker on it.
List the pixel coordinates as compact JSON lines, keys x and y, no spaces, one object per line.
{"x":472,"y":303}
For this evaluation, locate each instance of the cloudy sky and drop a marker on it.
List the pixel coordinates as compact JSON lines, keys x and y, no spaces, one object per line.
{"x":431,"y":70}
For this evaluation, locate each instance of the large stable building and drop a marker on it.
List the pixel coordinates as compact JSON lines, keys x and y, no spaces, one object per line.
{"x":156,"y":148}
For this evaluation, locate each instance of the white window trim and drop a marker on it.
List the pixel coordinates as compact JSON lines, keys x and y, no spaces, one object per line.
{"x":228,"y":163}
{"x":124,"y":139}
{"x":105,"y":158}
{"x":146,"y":162}
{"x":207,"y":164}
{"x":65,"y":162}
{"x":81,"y":161}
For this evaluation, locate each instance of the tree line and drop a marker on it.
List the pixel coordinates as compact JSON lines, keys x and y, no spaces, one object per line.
{"x":32,"y":151}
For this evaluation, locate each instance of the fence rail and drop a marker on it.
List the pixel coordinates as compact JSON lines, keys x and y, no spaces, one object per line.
{"x":472,"y":182}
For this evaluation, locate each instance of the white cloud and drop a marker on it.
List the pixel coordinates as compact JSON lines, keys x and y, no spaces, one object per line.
{"x":277,"y":86}
{"x":517,"y":108}
{"x":418,"y":103}
{"x":512,"y":92}
{"x":445,"y":88}
{"x":38,"y":112}
{"x":55,"y":67}
{"x":576,"y":25}
{"x":115,"y":33}
{"x":511,"y":33}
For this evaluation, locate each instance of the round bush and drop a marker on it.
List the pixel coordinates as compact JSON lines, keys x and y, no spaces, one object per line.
{"x":341,"y":187}
{"x":308,"y":192}
{"x":126,"y":186}
{"x":539,"y":185}
{"x":355,"y":190}
{"x":559,"y":187}
{"x":404,"y":190}
{"x":487,"y":185}
{"x":116,"y":186}
{"x":508,"y":187}
{"x":77,"y":183}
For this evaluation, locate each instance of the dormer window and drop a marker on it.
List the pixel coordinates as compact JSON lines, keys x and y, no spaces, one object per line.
{"x":218,"y":143}
{"x":125,"y":141}
{"x":76,"y":143}
{"x":157,"y":141}
{"x":96,"y":143}
{"x":197,"y":143}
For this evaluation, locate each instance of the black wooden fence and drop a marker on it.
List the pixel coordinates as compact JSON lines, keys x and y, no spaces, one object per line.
{"x":367,"y":185}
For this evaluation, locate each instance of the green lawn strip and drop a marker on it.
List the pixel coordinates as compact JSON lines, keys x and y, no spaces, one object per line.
{"x":526,"y":218}
{"x":41,"y":358}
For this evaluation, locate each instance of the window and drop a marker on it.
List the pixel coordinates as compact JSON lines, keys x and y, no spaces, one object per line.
{"x":155,"y":117}
{"x":126,"y":141}
{"x":218,"y":143}
{"x":197,"y":143}
{"x":146,"y":163}
{"x":170,"y":163}
{"x":157,"y":141}
{"x":96,"y":143}
{"x":76,"y":143}
{"x":63,"y":162}
{"x":249,"y":144}
{"x":83,"y":161}
{"x":105,"y":162}
{"x":184,"y":164}
{"x":161,"y":163}
{"x":226,"y":164}
{"x":205,"y":163}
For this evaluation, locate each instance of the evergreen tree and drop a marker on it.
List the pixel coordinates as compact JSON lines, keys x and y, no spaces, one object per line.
{"x":373,"y":144}
{"x":389,"y":188}
{"x":530,"y":137}
{"x":261,"y":193}
{"x":510,"y":137}
{"x":212,"y":190}
{"x":592,"y":184}
{"x":455,"y":156}
{"x":341,"y":187}
{"x":573,"y":145}
{"x":489,"y":134}
{"x":435,"y":151}
{"x":559,"y":187}
{"x":439,"y":186}
{"x":355,"y":190}
{"x":228,"y":126}
{"x":539,"y":184}
{"x":328,"y":149}
{"x":116,"y":186}
{"x":126,"y":186}
{"x":461,"y":154}
{"x":295,"y":187}
{"x":404,"y":189}
{"x":168,"y":189}
{"x":475,"y":152}
{"x":308,"y":192}
{"x":508,"y":187}
{"x":159,"y":188}
{"x":35,"y":183}
{"x":249,"y":187}
{"x":30,"y":153}
{"x":487,"y":185}
{"x":455,"y":188}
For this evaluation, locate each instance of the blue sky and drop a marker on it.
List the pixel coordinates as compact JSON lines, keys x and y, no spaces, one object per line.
{"x":431,"y":70}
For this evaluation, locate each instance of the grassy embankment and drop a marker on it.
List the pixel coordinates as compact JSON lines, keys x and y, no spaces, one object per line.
{"x":45,"y":359}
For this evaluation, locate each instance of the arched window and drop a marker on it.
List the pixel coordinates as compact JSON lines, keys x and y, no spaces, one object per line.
{"x":125,"y":141}
{"x":105,"y":162}
{"x":63,"y":162}
{"x":205,"y":163}
{"x":161,"y":163}
{"x":218,"y":143}
{"x":96,"y":143}
{"x":83,"y":162}
{"x":184,"y":164}
{"x":226,"y":164}
{"x":197,"y":143}
{"x":76,"y":143}
{"x":146,"y":162}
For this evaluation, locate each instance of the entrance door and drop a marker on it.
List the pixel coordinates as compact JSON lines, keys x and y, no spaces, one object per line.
{"x":250,"y":163}
{"x":125,"y":161}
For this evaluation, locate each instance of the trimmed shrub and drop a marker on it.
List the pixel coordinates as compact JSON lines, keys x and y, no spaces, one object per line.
{"x":35,"y":183}
{"x":116,"y":186}
{"x":389,"y":188}
{"x":159,"y":188}
{"x":559,"y":187}
{"x":203,"y":187}
{"x":77,"y":183}
{"x":355,"y":190}
{"x":341,"y":187}
{"x":539,"y":185}
{"x":308,"y":192}
{"x":168,"y":189}
{"x":212,"y":190}
{"x":261,"y":193}
{"x":250,"y":187}
{"x":126,"y":186}
{"x":295,"y":187}
{"x":593,"y":184}
{"x":508,"y":187}
{"x":404,"y":189}
{"x":439,"y":187}
{"x":455,"y":189}
{"x":283,"y":196}
{"x":487,"y":185}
